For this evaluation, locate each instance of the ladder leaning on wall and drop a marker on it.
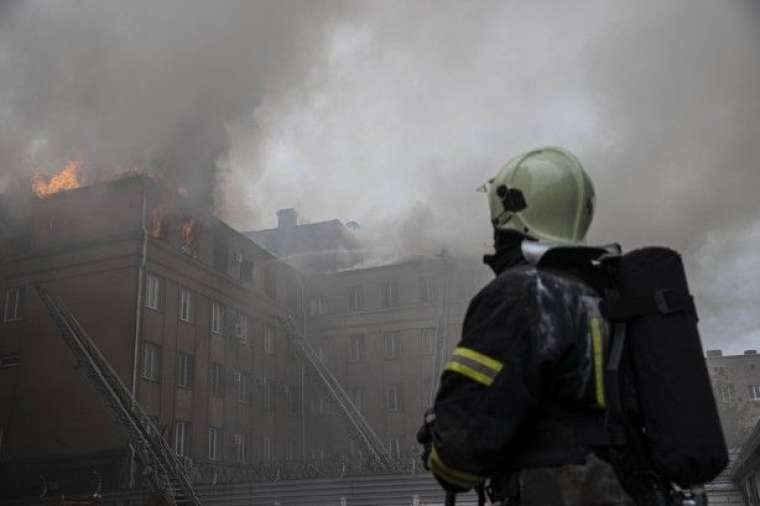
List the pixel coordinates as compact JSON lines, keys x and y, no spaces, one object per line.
{"x":359,"y":425}
{"x":162,"y":467}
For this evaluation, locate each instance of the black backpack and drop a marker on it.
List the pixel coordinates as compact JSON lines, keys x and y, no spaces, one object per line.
{"x":657,"y":389}
{"x":656,"y":353}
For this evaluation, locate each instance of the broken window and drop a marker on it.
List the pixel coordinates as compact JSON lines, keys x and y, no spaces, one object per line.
{"x":159,"y":226}
{"x":189,"y":232}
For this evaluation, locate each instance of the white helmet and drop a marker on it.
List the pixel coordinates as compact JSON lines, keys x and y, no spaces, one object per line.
{"x":544,"y":194}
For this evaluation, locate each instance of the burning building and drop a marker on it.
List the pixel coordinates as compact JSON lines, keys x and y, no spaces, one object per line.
{"x":188,"y":312}
{"x":183,"y":307}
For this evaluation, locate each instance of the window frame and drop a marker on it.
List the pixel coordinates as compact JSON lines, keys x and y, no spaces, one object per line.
{"x":392,"y":338}
{"x":355,"y":298}
{"x":389,"y":294}
{"x":153,"y":285}
{"x":269,"y":340}
{"x":185,"y":366}
{"x":216,"y":322}
{"x":17,"y":315}
{"x":182,"y":438}
{"x":754,"y":392}
{"x":427,"y":345}
{"x":425,"y":289}
{"x":151,"y":367}
{"x":214,"y":436}
{"x":239,"y":443}
{"x":185,"y":305}
{"x":216,"y":380}
{"x":356,"y":348}
{"x":392,"y":392}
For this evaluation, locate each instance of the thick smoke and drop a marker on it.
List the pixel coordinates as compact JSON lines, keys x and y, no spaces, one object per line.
{"x":392,"y":114}
{"x":413,"y":106}
{"x":142,"y":85}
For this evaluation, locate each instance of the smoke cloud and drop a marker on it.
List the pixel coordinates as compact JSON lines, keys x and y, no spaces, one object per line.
{"x":393,"y":113}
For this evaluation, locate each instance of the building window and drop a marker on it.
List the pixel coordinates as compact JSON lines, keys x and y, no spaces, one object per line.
{"x":356,"y":348}
{"x":390,"y":345}
{"x":213,"y":443}
{"x":268,"y":340}
{"x":12,"y":308}
{"x":151,"y":362}
{"x":393,"y":398}
{"x":238,"y":442}
{"x":268,"y":449}
{"x":725,"y":392}
{"x":185,"y":305}
{"x":425,"y":292}
{"x":389,"y":291}
{"x":153,"y":292}
{"x":241,"y":327}
{"x":317,"y":306}
{"x":246,"y":271}
{"x":240,"y":381}
{"x":185,"y":370}
{"x":9,"y":361}
{"x":217,"y":317}
{"x":182,"y":439}
{"x":754,"y":392}
{"x":427,"y":340}
{"x":355,"y":298}
{"x":215,"y":380}
{"x":394,"y":447}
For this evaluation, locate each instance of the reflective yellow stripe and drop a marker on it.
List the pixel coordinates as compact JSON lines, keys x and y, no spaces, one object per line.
{"x":598,"y":346}
{"x":470,"y":373}
{"x":484,"y":360}
{"x":460,"y":478}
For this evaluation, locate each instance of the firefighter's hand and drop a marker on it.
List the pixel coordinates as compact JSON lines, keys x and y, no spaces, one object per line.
{"x":425,"y":437}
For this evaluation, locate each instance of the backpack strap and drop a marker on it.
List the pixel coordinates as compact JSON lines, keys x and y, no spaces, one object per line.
{"x":664,"y":302}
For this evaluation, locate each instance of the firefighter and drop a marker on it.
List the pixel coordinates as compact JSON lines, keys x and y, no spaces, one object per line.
{"x":521,"y":402}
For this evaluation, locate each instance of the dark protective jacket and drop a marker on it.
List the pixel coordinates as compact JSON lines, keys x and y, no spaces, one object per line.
{"x":524,"y":388}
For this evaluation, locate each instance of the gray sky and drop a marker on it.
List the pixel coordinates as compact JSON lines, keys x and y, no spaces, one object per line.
{"x":392,"y":113}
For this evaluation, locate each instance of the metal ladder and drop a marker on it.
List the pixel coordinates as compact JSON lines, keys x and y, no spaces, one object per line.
{"x":361,"y":428}
{"x":160,"y":464}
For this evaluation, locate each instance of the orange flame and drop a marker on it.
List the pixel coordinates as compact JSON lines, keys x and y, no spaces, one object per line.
{"x":66,"y":179}
{"x":189,"y":236}
{"x":159,"y":228}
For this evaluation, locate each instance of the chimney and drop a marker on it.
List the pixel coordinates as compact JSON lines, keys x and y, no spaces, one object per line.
{"x":714,"y":353}
{"x":750,"y":352}
{"x":287,"y":218}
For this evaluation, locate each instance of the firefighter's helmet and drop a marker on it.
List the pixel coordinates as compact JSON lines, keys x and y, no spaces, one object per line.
{"x":544,"y":194}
